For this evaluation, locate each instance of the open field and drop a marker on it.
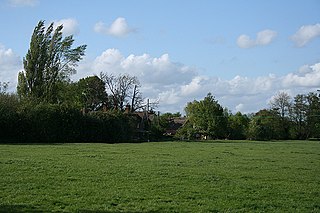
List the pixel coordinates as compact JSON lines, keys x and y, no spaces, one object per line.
{"x":161,"y":177}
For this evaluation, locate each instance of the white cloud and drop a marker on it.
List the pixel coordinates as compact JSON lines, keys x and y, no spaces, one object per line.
{"x":194,"y":86}
{"x":306,"y":34}
{"x":310,"y":78}
{"x":175,"y":84}
{"x":148,"y":69}
{"x":10,"y":65}
{"x":70,"y":26}
{"x":119,"y":28}
{"x":244,"y":41}
{"x":264,"y":37}
{"x":23,"y":3}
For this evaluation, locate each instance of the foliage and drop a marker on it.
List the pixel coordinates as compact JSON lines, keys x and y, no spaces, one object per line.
{"x":123,"y":90}
{"x":9,"y":117}
{"x":112,"y":126}
{"x":165,"y":119}
{"x":263,"y":125}
{"x":238,"y":126}
{"x":186,"y":132}
{"x":51,"y":123}
{"x":313,"y":116}
{"x":299,"y":116}
{"x":49,"y":107}
{"x":161,"y":177}
{"x":50,"y":60}
{"x":160,"y":124}
{"x":91,"y":93}
{"x":281,"y":103}
{"x":207,"y":117}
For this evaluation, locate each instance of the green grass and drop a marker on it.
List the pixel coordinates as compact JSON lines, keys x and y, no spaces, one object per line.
{"x":161,"y":177}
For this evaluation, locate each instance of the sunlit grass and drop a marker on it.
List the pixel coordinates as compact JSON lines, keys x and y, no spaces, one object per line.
{"x":161,"y":177}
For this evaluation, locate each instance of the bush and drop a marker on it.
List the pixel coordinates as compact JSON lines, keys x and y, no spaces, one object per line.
{"x":50,"y":123}
{"x":53,"y":123}
{"x":110,"y":126}
{"x":9,"y":117}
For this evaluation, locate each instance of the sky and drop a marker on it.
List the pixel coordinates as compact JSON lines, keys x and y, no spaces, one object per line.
{"x":242,"y":51}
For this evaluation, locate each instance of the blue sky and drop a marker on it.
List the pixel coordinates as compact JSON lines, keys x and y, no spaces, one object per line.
{"x":243,"y":52}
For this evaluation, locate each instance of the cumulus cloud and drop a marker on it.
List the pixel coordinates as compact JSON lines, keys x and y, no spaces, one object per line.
{"x":264,"y":37}
{"x":306,"y":34}
{"x":70,"y":26}
{"x":10,"y":65}
{"x":150,"y":70}
{"x":194,"y":86}
{"x":118,"y":28}
{"x":309,"y":78}
{"x":175,"y":84}
{"x":160,"y":77}
{"x":23,"y":3}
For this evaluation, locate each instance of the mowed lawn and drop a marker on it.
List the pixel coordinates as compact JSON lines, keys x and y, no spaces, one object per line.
{"x":213,"y":176}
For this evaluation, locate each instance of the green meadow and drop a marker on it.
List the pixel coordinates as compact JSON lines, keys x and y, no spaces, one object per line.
{"x":216,"y":176}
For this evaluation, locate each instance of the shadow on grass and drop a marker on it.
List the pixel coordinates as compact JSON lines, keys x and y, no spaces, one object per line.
{"x":19,"y":208}
{"x":21,"y":142}
{"x":97,"y":211}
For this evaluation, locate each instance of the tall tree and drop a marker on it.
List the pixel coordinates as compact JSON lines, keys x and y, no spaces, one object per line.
{"x":281,"y":103}
{"x":207,"y":117}
{"x":299,"y":116}
{"x":50,"y":60}
{"x":313,"y":115}
{"x":124,"y":89}
{"x":266,"y":125}
{"x":92,"y":93}
{"x":238,"y":126}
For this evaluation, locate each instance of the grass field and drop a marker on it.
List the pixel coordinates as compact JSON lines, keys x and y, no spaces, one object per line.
{"x":161,"y":177}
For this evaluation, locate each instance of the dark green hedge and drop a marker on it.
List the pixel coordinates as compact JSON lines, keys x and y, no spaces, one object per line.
{"x":48,"y":123}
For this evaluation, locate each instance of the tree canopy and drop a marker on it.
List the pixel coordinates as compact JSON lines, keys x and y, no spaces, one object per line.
{"x":207,"y":117}
{"x":92,"y":93}
{"x":48,"y":105}
{"x":50,"y":60}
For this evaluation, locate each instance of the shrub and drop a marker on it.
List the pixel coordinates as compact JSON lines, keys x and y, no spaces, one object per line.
{"x":9,"y":117}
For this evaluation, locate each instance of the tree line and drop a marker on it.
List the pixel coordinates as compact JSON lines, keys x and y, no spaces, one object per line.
{"x":295,"y":118}
{"x":49,"y":107}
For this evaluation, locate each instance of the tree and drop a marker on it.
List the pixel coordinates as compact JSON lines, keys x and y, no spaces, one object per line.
{"x":265,"y":125}
{"x":313,"y":115}
{"x":124,"y":90}
{"x":92,"y":93}
{"x":281,"y":103}
{"x":299,"y":116}
{"x":9,"y":118}
{"x":207,"y":117}
{"x":164,"y":120}
{"x":238,"y":126}
{"x":50,"y":60}
{"x":136,"y":99}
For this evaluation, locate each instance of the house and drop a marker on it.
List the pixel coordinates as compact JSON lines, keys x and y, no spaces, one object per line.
{"x":174,"y":125}
{"x":143,"y":121}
